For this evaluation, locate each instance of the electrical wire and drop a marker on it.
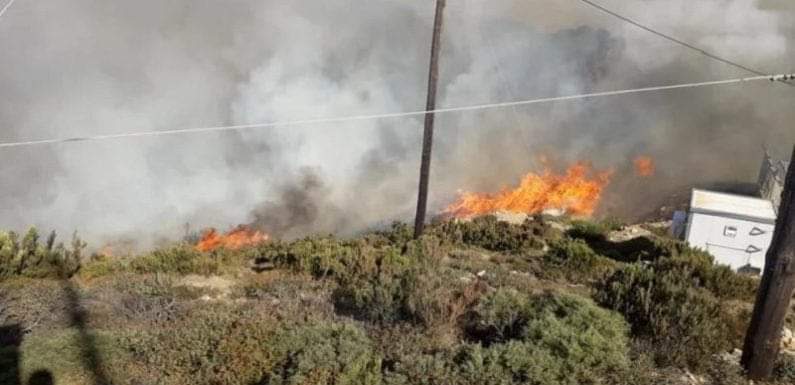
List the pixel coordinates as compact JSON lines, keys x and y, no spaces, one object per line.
{"x":6,"y":7}
{"x":677,"y":41}
{"x":394,"y":114}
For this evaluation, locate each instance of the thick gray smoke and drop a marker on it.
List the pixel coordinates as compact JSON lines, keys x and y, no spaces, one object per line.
{"x":83,"y":67}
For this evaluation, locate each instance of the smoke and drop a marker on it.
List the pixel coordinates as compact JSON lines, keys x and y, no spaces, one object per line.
{"x":301,"y":208}
{"x":84,"y":67}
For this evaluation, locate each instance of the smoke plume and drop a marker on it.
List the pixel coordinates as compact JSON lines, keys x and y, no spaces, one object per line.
{"x":85,"y":67}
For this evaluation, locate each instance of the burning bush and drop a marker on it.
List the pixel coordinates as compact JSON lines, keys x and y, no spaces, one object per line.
{"x":235,"y":239}
{"x":576,"y":192}
{"x":644,"y":166}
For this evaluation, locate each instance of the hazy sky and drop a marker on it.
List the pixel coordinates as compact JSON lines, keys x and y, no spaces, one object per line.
{"x":85,"y":67}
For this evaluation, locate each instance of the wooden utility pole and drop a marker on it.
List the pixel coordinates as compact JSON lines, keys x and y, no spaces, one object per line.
{"x":763,"y":339}
{"x":427,"y":139}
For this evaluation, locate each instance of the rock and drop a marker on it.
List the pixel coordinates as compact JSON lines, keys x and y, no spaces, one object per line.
{"x":220,"y":287}
{"x":629,"y":233}
{"x":554,"y":212}
{"x":510,"y":217}
{"x":787,"y":340}
{"x":732,"y":358}
{"x":260,"y":265}
{"x":691,"y":379}
{"x":559,"y":226}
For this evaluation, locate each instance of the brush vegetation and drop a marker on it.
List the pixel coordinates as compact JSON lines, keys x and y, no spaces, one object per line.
{"x":480,"y":302}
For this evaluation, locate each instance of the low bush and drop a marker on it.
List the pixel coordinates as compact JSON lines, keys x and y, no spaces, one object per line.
{"x":785,"y":369}
{"x":499,"y":317}
{"x":35,"y":303}
{"x":574,"y":260}
{"x":589,"y":231}
{"x":216,"y":344}
{"x":517,"y":338}
{"x":28,"y":257}
{"x":424,"y":369}
{"x":320,"y":257}
{"x":75,"y":356}
{"x":720,"y":280}
{"x":405,"y":287}
{"x":398,"y":234}
{"x":147,"y":300}
{"x":323,"y":353}
{"x":686,"y":323}
{"x":491,"y":234}
{"x":100,"y":265}
{"x":185,"y":259}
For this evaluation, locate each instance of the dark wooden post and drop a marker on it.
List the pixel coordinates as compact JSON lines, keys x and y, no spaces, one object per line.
{"x":427,"y":139}
{"x":775,"y":291}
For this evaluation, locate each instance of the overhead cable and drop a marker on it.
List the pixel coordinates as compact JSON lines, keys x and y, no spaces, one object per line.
{"x":677,"y":41}
{"x":6,"y":7}
{"x":305,"y":122}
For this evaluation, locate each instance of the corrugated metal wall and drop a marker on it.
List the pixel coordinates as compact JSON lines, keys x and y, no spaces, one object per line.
{"x":771,"y":179}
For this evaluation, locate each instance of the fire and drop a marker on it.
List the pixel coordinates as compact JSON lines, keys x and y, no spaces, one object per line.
{"x":235,"y":239}
{"x":644,"y":166}
{"x":106,"y":251}
{"x":574,"y":193}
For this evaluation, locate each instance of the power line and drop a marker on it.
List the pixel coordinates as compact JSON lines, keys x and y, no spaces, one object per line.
{"x":394,"y":115}
{"x":6,"y":7}
{"x":677,"y":41}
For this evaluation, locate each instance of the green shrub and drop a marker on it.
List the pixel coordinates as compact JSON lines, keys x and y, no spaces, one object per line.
{"x":323,"y":353}
{"x":491,"y":234}
{"x":320,"y":257}
{"x":35,"y":303}
{"x":146,"y":300}
{"x":527,"y":339}
{"x":74,"y":356}
{"x":31,"y":258}
{"x":424,"y":369}
{"x":785,"y":368}
{"x":700,"y":267}
{"x":589,"y":231}
{"x":398,"y":234}
{"x":379,"y":297}
{"x":542,"y":339}
{"x":404,"y":287}
{"x":686,"y":323}
{"x":102,"y":266}
{"x":576,"y":261}
{"x":185,"y":259}
{"x":216,"y":344}
{"x":499,"y":317}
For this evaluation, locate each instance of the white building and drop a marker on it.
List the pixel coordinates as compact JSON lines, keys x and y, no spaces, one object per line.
{"x":736,"y":230}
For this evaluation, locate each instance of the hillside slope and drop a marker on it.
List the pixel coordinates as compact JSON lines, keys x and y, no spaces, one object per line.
{"x":547,"y":301}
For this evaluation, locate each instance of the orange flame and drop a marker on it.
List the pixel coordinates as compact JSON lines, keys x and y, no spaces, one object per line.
{"x":106,"y":251}
{"x":574,"y":193}
{"x":235,"y":239}
{"x":644,"y":166}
